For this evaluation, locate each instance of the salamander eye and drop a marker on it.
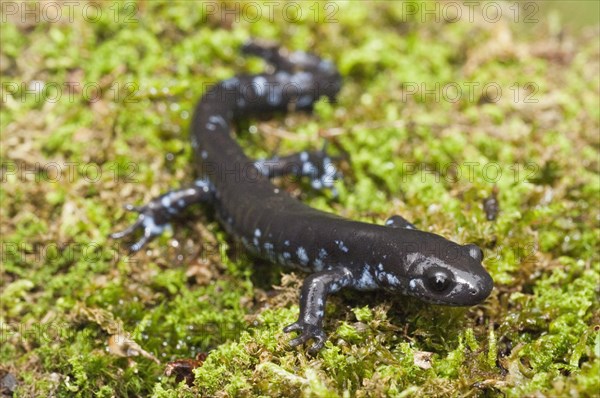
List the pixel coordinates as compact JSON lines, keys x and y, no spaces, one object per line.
{"x":438,"y":279}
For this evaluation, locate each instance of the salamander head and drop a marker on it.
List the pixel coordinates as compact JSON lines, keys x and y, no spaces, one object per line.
{"x":456,"y":278}
{"x":450,"y":275}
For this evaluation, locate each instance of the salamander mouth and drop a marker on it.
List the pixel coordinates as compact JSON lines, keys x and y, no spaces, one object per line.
{"x":464,"y":299}
{"x":445,"y":302}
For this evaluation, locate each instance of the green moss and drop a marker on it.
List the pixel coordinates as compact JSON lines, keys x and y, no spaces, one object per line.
{"x":67,"y":288}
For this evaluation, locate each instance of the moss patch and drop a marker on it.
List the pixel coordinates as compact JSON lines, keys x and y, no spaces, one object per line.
{"x":435,"y":117}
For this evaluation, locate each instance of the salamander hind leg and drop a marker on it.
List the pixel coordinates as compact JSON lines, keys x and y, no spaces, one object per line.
{"x":155,"y":216}
{"x":318,"y":166}
{"x":282,"y":59}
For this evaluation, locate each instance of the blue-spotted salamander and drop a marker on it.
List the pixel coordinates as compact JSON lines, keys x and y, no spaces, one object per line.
{"x":337,"y":252}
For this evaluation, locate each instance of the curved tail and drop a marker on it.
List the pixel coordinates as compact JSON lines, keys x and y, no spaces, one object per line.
{"x":297,"y":81}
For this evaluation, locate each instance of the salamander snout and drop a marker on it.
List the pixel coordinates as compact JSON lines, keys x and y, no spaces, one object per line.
{"x":480,"y":287}
{"x":474,"y":283}
{"x":480,"y":283}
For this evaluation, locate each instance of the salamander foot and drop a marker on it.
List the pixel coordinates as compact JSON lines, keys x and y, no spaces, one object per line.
{"x":156,"y":215}
{"x":317,"y":165}
{"x":152,"y":220}
{"x":307,"y":332}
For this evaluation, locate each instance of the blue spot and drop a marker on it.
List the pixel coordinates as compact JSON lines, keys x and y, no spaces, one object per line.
{"x":262,"y":166}
{"x":202,"y":184}
{"x":303,"y":80}
{"x":151,"y":227}
{"x":341,"y":246}
{"x":391,"y":279}
{"x":259,"y":84}
{"x":304,"y":101}
{"x":366,"y":280}
{"x":308,"y":169}
{"x":302,"y":256}
{"x":326,"y":66}
{"x":218,"y":119}
{"x":322,"y":253}
{"x":275,"y":96}
{"x":319,"y":264}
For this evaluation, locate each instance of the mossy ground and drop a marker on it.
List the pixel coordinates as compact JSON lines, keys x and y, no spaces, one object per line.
{"x":122,"y":136}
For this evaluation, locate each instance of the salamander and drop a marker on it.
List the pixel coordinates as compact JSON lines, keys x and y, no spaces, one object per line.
{"x":337,"y":252}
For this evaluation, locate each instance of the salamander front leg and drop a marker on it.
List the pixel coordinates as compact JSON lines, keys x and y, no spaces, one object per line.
{"x":313,"y":297}
{"x":316,"y":165}
{"x":156,"y":215}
